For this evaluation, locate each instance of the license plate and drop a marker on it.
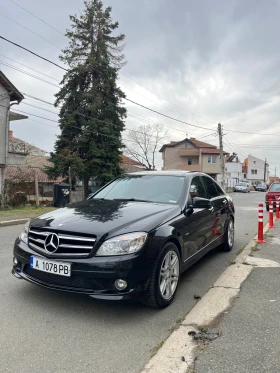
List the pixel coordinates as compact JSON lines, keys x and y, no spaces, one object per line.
{"x":49,"y":266}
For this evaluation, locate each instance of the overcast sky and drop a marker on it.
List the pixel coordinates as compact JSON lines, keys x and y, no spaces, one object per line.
{"x":202,"y":62}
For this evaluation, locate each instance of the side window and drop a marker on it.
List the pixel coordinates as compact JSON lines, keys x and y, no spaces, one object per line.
{"x":197,"y":188}
{"x":219,"y":190}
{"x":210,"y":187}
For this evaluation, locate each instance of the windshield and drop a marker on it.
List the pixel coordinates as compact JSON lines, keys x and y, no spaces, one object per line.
{"x":151,"y":188}
{"x":241,"y":184}
{"x":275,"y":188}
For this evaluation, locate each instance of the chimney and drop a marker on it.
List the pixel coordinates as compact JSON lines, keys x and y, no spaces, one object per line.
{"x":10,"y":135}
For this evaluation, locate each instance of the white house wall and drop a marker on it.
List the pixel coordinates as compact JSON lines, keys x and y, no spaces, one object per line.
{"x":4,"y":101}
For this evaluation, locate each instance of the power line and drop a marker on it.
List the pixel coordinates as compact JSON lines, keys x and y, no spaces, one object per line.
{"x":164,"y":98}
{"x":40,"y":19}
{"x":27,"y":73}
{"x":33,"y":32}
{"x":121,"y":72}
{"x":177,"y":120}
{"x":249,"y":116}
{"x":8,"y":58}
{"x":35,"y":54}
{"x":167,"y":116}
{"x":45,"y":81}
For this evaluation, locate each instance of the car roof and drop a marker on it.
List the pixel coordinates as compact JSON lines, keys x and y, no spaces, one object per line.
{"x":167,"y":173}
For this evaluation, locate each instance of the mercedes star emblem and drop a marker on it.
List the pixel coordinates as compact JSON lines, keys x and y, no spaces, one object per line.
{"x":51,"y":243}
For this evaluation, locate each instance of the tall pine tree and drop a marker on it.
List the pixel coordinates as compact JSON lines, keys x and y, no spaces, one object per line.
{"x":91,"y":115}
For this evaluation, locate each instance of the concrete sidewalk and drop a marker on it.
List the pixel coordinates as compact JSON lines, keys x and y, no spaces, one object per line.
{"x":249,"y":340}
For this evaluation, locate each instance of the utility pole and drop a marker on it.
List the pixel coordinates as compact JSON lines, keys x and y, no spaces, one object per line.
{"x":70,"y":183}
{"x":37,"y":189}
{"x":222,"y":153}
{"x":264,"y":176}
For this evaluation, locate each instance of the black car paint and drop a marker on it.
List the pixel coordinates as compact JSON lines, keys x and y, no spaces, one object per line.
{"x":194,"y":231}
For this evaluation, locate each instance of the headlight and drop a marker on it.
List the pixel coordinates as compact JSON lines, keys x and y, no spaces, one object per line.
{"x":126,"y":244}
{"x":24,"y":233}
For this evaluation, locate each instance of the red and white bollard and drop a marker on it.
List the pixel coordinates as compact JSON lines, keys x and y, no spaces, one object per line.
{"x":277,"y":209}
{"x":260,"y":225}
{"x":271,"y":222}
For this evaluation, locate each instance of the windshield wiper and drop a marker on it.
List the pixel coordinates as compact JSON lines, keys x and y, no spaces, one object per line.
{"x":132,"y":199}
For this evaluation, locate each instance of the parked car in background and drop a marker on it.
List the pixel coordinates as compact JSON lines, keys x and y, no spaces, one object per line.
{"x":261,"y":188}
{"x":273,"y":193}
{"x":242,"y":187}
{"x":131,"y":240}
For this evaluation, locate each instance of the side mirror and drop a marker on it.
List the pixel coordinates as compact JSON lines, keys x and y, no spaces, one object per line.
{"x":201,"y":203}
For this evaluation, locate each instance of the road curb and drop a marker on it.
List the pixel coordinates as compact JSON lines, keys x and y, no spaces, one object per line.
{"x":13,"y":222}
{"x":177,"y":354}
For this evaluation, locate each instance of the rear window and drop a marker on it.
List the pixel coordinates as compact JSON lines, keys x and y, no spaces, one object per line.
{"x":275,"y":188}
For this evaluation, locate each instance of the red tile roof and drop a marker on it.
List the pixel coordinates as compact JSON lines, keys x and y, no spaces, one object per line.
{"x":129,"y":161}
{"x":19,"y":146}
{"x":204,"y":146}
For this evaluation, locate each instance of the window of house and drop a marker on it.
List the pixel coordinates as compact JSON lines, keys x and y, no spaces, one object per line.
{"x":212,"y":159}
{"x":254,"y":172}
{"x":254,"y":162}
{"x":186,"y":144}
{"x":245,"y":176}
{"x":189,"y":161}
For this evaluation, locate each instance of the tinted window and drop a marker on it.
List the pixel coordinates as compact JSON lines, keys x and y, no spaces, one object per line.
{"x":197,"y":188}
{"x":210,"y":187}
{"x":219,"y":190}
{"x":154,"y":188}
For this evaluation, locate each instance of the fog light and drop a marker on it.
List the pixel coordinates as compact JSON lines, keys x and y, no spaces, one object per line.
{"x":15,"y":261}
{"x":120,"y":284}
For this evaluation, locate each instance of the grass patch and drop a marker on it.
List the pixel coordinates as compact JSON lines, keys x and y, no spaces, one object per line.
{"x":24,"y":212}
{"x":232,"y":262}
{"x":251,"y":254}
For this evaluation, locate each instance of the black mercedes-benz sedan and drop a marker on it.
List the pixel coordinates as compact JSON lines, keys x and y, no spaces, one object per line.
{"x":130,"y":240}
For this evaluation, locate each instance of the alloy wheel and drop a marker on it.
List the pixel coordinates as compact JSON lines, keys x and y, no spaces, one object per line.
{"x":169,"y":275}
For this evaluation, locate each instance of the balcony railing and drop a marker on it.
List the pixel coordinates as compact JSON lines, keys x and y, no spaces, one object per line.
{"x":188,"y":152}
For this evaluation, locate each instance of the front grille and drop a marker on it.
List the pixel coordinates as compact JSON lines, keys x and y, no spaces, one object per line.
{"x":68,"y":244}
{"x":74,"y":281}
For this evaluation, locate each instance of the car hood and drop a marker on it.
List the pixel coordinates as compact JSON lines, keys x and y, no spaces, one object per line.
{"x":107,"y":218}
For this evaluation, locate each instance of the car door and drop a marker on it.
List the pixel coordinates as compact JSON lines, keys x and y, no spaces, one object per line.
{"x":220,"y":204}
{"x":196,"y":228}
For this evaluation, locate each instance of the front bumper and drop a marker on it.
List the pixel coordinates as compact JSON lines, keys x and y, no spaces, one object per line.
{"x":93,"y":276}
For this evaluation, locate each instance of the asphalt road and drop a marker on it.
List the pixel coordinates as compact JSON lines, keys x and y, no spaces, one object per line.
{"x":48,"y":331}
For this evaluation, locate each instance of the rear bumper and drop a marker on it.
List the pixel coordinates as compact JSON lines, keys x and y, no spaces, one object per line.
{"x":94,"y":277}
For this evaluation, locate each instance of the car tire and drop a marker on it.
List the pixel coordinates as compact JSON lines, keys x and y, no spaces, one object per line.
{"x":155,"y":296}
{"x":228,"y":236}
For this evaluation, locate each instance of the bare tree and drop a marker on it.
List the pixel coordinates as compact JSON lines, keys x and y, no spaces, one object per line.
{"x":144,"y":142}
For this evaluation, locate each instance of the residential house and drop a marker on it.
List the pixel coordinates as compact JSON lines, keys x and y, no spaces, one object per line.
{"x":233,"y":172}
{"x":33,"y":160}
{"x":9,"y":95}
{"x":130,"y":165}
{"x":255,"y":170}
{"x":192,"y":155}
